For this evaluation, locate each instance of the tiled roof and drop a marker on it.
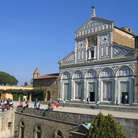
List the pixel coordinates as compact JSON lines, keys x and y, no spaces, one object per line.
{"x":48,"y":76}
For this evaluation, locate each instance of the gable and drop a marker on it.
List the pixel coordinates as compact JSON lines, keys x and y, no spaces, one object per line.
{"x":68,"y":59}
{"x":94,"y":26}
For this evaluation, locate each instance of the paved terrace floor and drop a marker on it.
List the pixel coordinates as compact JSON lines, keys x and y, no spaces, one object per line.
{"x":91,"y":111}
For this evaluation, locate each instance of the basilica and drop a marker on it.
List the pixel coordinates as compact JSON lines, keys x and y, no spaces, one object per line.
{"x":103,"y":66}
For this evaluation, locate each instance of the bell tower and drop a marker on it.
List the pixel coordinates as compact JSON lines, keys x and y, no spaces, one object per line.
{"x":36,"y":73}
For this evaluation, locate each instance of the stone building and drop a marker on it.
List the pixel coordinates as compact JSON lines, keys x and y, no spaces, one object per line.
{"x":48,"y":82}
{"x":103,"y":65}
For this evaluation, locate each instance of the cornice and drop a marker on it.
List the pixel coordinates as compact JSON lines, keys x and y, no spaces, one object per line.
{"x":100,"y":62}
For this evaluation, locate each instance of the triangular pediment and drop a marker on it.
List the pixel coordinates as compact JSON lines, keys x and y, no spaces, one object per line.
{"x":68,"y":59}
{"x":94,"y":25}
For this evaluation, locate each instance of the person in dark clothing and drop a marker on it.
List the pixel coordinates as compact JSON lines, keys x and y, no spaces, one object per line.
{"x":48,"y":109}
{"x":26,"y":106}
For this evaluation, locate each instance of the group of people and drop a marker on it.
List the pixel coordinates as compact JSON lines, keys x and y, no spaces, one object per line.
{"x":6,"y":104}
{"x":51,"y":106}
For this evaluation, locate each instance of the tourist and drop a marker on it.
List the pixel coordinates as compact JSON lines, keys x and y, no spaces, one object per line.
{"x":2,"y":107}
{"x":126,"y":99}
{"x":11,"y":103}
{"x":116,"y":101}
{"x":21,"y":104}
{"x":52,"y":106}
{"x":26,"y":106}
{"x":64,"y":102}
{"x":5,"y":101}
{"x":57,"y":104}
{"x":97,"y":105}
{"x":88,"y":100}
{"x":48,"y":109}
{"x":7,"y":107}
{"x":37,"y":105}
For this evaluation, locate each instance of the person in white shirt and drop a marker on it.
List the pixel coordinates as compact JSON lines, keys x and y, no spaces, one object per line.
{"x":126,"y":98}
{"x":97,"y":105}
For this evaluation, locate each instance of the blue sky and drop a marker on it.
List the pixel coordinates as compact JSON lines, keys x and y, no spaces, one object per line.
{"x":39,"y":33}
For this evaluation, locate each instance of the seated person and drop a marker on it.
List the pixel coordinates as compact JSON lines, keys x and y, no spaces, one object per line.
{"x":11,"y":103}
{"x":52,"y":106}
{"x":7,"y":107}
{"x":26,"y":106}
{"x":48,"y":109}
{"x":57,"y":104}
{"x":21,"y":104}
{"x":97,"y":105}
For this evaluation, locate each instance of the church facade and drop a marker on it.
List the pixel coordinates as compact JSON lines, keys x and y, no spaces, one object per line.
{"x":103,"y":65}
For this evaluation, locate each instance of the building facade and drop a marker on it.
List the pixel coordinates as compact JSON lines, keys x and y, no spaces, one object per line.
{"x":48,"y":82}
{"x":103,"y":65}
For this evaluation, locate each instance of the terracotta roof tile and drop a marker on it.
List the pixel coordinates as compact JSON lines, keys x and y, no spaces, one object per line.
{"x":49,"y":76}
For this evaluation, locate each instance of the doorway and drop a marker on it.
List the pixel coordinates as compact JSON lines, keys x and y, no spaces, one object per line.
{"x":124,"y":91}
{"x":48,"y":96}
{"x":92,"y":96}
{"x":92,"y":92}
{"x":123,"y":97}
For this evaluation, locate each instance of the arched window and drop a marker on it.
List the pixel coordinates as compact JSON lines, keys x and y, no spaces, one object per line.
{"x":91,"y":74}
{"x":78,"y":74}
{"x":21,"y":130}
{"x":125,"y":71}
{"x":66,"y":75}
{"x":59,"y":133}
{"x":107,"y":73}
{"x":37,"y":132}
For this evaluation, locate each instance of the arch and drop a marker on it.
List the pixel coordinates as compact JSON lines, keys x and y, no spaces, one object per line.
{"x":66,"y":75}
{"x":91,"y":73}
{"x":58,"y":134}
{"x":78,"y":74}
{"x":107,"y":72}
{"x":21,"y":129}
{"x":48,"y":96}
{"x":124,"y":71}
{"x":37,"y":131}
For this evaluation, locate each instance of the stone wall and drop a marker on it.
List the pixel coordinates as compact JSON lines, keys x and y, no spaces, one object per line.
{"x":122,"y":38}
{"x":55,"y":121}
{"x":50,"y":85}
{"x":7,"y":123}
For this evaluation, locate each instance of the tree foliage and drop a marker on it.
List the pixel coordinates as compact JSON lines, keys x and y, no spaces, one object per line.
{"x":105,"y":127}
{"x":25,"y":84}
{"x":39,"y":94}
{"x":6,"y":79}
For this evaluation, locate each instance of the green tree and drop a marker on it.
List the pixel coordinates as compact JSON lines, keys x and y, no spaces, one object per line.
{"x":6,"y":79}
{"x":105,"y":127}
{"x":25,"y":84}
